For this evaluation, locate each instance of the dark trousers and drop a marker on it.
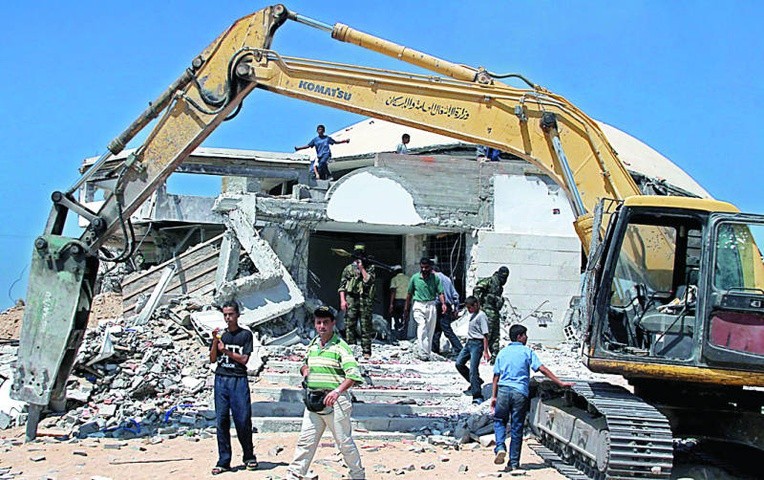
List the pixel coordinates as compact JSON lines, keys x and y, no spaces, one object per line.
{"x":232,"y":394}
{"x":511,"y":406}
{"x":323,"y":169}
{"x":472,"y":351}
{"x":400,"y":324}
{"x":444,"y":325}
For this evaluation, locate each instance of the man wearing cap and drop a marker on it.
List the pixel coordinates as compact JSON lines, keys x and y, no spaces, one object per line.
{"x":329,"y":366}
{"x":424,"y":289}
{"x":399,"y":286}
{"x":490,"y":293}
{"x":357,"y":299}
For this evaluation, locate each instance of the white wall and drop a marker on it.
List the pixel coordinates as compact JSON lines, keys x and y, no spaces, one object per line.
{"x":540,"y":248}
{"x":370,"y":199}
{"x":544,"y":275}
{"x":527,"y":205}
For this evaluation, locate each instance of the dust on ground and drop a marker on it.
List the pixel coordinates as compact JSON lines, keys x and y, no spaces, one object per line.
{"x":194,"y":457}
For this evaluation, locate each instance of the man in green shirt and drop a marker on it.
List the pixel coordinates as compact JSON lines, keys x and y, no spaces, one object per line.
{"x":424,"y":289}
{"x":329,"y":366}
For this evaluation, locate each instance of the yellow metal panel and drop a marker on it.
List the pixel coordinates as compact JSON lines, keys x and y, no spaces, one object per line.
{"x":702,"y":204}
{"x":678,"y":373}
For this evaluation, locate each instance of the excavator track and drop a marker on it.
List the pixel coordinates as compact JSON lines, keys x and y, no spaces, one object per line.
{"x":605,"y":431}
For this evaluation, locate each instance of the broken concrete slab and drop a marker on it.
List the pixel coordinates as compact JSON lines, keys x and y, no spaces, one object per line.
{"x":269,"y":292}
{"x":156,"y":295}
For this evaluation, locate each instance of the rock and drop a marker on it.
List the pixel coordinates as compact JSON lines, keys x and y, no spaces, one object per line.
{"x":463,"y":468}
{"x":88,"y":429}
{"x":188,"y":419}
{"x":37,"y":458}
{"x":487,"y":440}
{"x":444,"y":458}
{"x":428,"y":466}
{"x":80,"y":453}
{"x":107,"y":410}
{"x":274,"y":452}
{"x":5,"y":420}
{"x":442,"y":440}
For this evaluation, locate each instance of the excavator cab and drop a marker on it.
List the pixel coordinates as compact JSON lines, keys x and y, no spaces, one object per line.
{"x":680,"y":282}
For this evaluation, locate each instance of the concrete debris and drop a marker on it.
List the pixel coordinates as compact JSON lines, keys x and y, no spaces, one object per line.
{"x":11,"y":411}
{"x":140,"y":381}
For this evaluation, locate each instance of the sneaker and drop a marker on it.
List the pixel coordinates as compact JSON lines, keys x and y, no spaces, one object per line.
{"x":501,"y":455}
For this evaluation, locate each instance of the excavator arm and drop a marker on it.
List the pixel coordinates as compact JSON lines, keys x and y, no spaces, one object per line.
{"x":467,"y":104}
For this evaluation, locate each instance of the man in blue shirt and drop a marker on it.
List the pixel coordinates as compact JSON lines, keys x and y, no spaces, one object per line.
{"x":320,"y":167}
{"x":443,"y":323}
{"x":511,"y":378}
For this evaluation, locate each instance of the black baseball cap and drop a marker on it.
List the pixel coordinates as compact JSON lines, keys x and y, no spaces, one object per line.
{"x":323,"y":312}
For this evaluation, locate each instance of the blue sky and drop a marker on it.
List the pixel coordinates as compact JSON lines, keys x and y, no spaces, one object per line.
{"x":684,"y":77}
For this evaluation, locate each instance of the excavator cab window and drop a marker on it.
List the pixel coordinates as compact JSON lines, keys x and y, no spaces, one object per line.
{"x":736,"y":321}
{"x":653,"y":288}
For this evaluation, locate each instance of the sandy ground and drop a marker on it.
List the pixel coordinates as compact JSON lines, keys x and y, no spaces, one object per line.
{"x":94,"y":459}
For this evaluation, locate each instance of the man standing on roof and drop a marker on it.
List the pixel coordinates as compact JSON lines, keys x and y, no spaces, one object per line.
{"x":320,"y":167}
{"x":402,"y":148}
{"x":357,"y":299}
{"x":490,"y":293}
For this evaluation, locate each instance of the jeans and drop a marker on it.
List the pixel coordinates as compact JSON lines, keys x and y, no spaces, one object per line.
{"x":510,"y":405}
{"x":232,"y":393}
{"x":471,"y":351}
{"x":444,"y":325}
{"x":323,"y":168}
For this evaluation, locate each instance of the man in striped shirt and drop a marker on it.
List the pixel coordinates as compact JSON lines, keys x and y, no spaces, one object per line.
{"x":329,"y":366}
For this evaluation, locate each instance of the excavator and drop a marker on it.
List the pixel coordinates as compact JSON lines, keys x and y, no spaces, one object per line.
{"x":674,"y":286}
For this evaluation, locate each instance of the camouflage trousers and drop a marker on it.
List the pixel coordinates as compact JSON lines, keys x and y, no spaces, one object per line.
{"x":494,"y":332}
{"x":358,"y":319}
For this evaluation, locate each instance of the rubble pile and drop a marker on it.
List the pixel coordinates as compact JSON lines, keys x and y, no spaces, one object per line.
{"x":139,"y":380}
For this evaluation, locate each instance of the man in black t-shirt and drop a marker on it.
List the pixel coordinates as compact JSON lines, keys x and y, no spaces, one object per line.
{"x":231,"y":350}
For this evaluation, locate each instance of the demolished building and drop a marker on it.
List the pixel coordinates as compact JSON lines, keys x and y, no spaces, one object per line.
{"x":470,"y":217}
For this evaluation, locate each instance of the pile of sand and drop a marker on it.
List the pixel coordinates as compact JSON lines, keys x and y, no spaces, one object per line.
{"x":10,"y":322}
{"x":105,"y":306}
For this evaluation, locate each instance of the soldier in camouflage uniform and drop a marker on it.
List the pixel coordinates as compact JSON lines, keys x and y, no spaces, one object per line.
{"x":489,"y":292}
{"x":357,"y":299}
